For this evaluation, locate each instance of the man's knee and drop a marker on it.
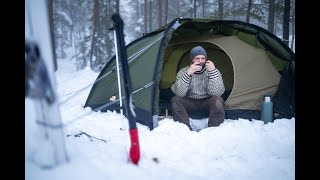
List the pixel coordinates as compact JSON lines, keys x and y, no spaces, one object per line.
{"x":174,"y":102}
{"x":175,"y":99}
{"x":217,"y":100}
{"x":217,"y":103}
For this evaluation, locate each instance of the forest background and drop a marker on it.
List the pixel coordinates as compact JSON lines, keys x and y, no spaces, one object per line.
{"x":83,"y":26}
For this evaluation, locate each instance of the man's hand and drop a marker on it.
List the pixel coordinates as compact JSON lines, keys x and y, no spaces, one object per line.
{"x":210,"y":66}
{"x":193,"y":68}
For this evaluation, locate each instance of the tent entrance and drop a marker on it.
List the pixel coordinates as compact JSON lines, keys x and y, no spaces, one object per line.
{"x":177,"y":57}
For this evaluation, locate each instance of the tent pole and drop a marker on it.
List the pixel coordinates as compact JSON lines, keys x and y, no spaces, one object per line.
{"x":118,"y":73}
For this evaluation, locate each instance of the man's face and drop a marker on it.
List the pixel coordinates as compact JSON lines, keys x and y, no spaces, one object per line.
{"x":199,"y":59}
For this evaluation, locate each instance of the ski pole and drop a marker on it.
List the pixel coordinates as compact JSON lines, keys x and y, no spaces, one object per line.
{"x":129,"y":109}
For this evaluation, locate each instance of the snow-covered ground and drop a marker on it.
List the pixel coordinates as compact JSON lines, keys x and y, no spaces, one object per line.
{"x":237,"y":149}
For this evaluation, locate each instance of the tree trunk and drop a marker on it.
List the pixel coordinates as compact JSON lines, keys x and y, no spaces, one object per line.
{"x":271,"y":16}
{"x":166,"y":15}
{"x":286,"y":22}
{"x":160,"y":13}
{"x":293,"y":26}
{"x":203,"y":8}
{"x":194,"y":8}
{"x":249,"y":11}
{"x":178,"y":7}
{"x":136,"y":18}
{"x":108,"y":39}
{"x":94,"y":29}
{"x":117,"y":6}
{"x":47,"y":149}
{"x":145,"y":16}
{"x":150,"y":15}
{"x":220,"y":9}
{"x":234,"y":7}
{"x":53,"y":42}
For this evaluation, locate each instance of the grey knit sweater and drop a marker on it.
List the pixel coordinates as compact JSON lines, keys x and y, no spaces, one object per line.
{"x":199,"y":85}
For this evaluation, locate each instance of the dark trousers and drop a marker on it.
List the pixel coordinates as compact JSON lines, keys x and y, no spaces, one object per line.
{"x":213,"y":105}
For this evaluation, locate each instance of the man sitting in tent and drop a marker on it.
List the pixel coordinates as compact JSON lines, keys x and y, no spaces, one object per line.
{"x":198,"y":88}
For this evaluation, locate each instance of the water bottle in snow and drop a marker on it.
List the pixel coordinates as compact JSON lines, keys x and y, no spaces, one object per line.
{"x":267,"y":110}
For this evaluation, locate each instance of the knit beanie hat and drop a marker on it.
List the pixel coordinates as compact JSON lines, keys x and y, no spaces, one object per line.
{"x":198,"y":50}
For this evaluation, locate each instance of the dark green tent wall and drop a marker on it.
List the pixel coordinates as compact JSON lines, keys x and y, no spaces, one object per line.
{"x":155,"y":58}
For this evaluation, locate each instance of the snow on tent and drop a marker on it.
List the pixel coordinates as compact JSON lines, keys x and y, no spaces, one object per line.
{"x":253,"y":62}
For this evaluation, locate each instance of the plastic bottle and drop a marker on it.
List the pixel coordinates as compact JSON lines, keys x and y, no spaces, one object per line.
{"x":267,"y":110}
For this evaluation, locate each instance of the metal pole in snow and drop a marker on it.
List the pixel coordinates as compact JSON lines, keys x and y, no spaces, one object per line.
{"x":118,"y":72}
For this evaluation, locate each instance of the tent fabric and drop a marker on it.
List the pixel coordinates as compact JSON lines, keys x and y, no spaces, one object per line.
{"x":248,"y":90}
{"x":249,"y":58}
{"x":284,"y":98}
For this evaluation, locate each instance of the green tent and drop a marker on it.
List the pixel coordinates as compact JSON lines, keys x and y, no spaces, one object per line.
{"x":253,"y":63}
